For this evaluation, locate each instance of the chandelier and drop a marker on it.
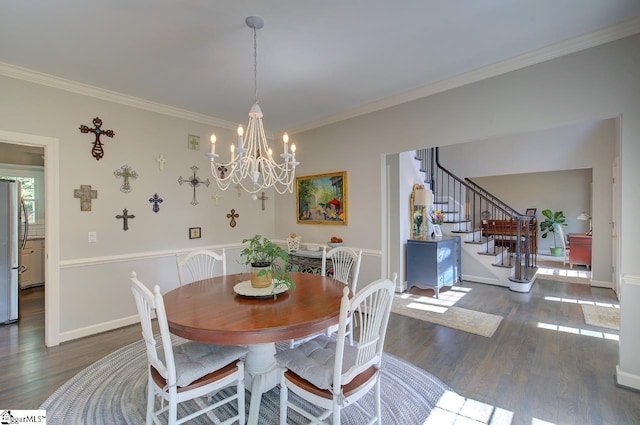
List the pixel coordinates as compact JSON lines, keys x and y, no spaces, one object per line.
{"x":252,"y":165}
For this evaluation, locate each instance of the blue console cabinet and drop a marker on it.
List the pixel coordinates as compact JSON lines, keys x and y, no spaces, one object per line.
{"x":433,"y":263}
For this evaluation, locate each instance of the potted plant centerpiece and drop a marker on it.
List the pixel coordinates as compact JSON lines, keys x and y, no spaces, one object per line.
{"x":268,"y":262}
{"x":550,"y":225}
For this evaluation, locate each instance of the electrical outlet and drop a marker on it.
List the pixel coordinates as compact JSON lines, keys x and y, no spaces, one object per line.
{"x":92,"y":236}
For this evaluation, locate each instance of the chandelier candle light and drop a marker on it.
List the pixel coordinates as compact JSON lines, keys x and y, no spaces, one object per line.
{"x":252,"y":165}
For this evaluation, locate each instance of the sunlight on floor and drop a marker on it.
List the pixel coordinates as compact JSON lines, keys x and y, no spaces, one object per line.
{"x":453,"y":409}
{"x":448,"y":298}
{"x":564,"y":273}
{"x":576,"y":301}
{"x":578,"y":331}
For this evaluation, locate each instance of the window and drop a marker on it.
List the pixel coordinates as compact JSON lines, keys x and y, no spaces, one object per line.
{"x":31,"y":180}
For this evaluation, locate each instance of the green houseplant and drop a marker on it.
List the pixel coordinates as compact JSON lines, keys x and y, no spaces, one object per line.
{"x":550,"y":225}
{"x":268,"y":261}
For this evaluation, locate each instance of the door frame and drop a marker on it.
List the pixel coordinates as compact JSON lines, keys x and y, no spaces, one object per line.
{"x":51,"y":147}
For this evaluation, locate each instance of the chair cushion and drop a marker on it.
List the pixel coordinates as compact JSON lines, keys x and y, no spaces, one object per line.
{"x":314,"y":360}
{"x":194,"y":360}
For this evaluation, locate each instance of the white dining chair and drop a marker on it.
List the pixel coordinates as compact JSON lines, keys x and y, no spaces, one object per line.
{"x":186,"y":371}
{"x":199,"y":265}
{"x":354,"y":369}
{"x":345,"y":267}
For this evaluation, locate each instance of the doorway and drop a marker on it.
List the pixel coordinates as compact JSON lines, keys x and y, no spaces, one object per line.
{"x":51,"y":231}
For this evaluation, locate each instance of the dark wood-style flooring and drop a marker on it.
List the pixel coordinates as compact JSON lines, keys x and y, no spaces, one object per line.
{"x":544,"y":363}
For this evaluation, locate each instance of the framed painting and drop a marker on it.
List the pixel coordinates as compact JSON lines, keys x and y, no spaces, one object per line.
{"x":531,"y":212}
{"x":322,"y":198}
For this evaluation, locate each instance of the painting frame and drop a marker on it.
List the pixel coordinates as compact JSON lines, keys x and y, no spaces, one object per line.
{"x":531,"y":212}
{"x":322,"y":199}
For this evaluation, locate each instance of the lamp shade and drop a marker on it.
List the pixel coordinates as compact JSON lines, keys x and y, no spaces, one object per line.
{"x":422,"y":197}
{"x":583,"y":216}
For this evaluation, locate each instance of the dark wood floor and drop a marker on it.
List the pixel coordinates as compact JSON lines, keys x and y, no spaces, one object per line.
{"x":543,"y":376}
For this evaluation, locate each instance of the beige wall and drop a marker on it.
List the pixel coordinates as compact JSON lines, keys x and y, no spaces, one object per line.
{"x":592,"y":85}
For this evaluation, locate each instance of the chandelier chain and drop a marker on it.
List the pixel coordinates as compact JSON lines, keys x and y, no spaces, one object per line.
{"x":255,"y":65}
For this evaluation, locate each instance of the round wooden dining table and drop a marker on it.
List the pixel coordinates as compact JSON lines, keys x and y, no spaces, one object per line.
{"x":210,"y":311}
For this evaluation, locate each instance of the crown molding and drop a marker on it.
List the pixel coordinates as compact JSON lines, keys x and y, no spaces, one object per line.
{"x":608,"y":34}
{"x":108,"y":95}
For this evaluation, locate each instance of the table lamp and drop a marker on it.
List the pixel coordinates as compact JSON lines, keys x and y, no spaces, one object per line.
{"x":584,"y":216}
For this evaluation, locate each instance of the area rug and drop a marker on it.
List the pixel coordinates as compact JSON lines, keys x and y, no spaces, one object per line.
{"x":425,"y":308}
{"x":113,"y":391}
{"x":602,"y":316}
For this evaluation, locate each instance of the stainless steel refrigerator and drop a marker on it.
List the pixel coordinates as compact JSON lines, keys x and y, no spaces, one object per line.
{"x":11,"y":239}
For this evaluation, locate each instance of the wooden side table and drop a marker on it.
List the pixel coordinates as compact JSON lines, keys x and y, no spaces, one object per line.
{"x":579,"y":249}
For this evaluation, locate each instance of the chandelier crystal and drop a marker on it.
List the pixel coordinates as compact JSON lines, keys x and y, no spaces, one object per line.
{"x":252,"y":165}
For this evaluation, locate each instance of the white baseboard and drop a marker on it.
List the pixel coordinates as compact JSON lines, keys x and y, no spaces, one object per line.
{"x":488,"y":281}
{"x":627,"y":379}
{"x":602,"y":284}
{"x":98,"y":328}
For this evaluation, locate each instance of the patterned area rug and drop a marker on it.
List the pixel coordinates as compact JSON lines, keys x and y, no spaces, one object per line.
{"x":602,"y":316}
{"x":113,"y":391}
{"x":427,"y":309}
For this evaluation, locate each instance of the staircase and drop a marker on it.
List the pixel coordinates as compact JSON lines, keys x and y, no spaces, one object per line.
{"x":499,"y":244}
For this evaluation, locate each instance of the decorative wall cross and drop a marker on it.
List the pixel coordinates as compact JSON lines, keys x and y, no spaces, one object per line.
{"x":194,"y":182}
{"x":160,"y":159}
{"x":233,"y":215}
{"x":125,"y":216}
{"x":126,"y":173}
{"x":239,"y":189}
{"x":86,"y":195}
{"x":216,"y":197}
{"x":222,"y":170}
{"x":263,"y":198}
{"x":156,"y":201}
{"x":98,"y":150}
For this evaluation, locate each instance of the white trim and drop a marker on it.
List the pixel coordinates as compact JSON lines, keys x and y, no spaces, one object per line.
{"x":480,"y":279}
{"x":602,"y":284}
{"x":627,"y":379}
{"x":612,"y":33}
{"x":93,"y":261}
{"x":108,"y":95}
{"x":52,"y":230}
{"x":98,"y":328}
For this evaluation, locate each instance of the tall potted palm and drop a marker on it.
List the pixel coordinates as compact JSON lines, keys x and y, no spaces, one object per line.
{"x":268,"y":262}
{"x":550,"y":226}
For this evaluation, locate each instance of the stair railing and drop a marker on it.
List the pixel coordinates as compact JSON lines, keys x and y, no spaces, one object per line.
{"x":472,"y":209}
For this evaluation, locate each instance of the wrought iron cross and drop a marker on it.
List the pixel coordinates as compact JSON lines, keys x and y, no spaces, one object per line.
{"x":262,"y":198}
{"x":127,"y":173}
{"x":194,"y":182}
{"x":125,"y":216}
{"x":98,"y":150}
{"x":156,"y":201}
{"x":86,"y":195}
{"x":233,"y":215}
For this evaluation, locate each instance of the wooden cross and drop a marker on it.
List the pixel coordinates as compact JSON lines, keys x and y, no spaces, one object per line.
{"x":125,"y":216}
{"x":156,"y":201}
{"x":86,"y":195}
{"x":194,"y":182}
{"x":216,"y":197}
{"x":233,"y":215}
{"x":263,"y":198}
{"x":160,"y":159}
{"x":127,"y":173}
{"x":98,"y":151}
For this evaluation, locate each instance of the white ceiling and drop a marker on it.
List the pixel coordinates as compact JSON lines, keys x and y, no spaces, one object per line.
{"x":318,"y":61}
